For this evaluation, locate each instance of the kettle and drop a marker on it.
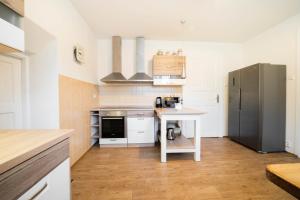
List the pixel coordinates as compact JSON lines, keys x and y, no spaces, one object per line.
{"x":158,"y":102}
{"x":171,"y":134}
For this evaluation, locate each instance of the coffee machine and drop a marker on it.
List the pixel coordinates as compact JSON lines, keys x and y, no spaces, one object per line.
{"x":166,"y":102}
{"x":169,"y":102}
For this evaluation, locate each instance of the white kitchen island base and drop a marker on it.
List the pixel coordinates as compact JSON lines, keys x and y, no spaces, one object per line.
{"x":180,"y":144}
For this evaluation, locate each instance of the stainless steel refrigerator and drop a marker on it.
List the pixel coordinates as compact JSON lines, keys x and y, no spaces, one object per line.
{"x":257,"y":107}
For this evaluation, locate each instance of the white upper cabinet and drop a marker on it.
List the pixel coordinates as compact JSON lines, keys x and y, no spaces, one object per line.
{"x":11,"y":37}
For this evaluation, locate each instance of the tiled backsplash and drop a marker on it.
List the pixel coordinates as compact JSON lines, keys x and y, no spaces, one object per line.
{"x":135,"y":95}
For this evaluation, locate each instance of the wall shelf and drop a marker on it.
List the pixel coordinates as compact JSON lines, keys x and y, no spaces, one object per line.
{"x":95,"y":126}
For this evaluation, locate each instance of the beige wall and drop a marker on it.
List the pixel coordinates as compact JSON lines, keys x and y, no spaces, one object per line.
{"x":76,"y":99}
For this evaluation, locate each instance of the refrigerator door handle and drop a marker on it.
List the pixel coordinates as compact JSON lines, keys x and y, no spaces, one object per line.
{"x":240,"y":106}
{"x":218,"y":98}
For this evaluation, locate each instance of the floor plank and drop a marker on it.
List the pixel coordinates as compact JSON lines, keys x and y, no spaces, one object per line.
{"x":227,"y":171}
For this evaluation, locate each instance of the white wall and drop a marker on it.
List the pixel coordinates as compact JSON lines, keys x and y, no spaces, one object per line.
{"x":61,"y":19}
{"x":42,"y":77}
{"x":53,"y":28}
{"x":278,"y":45}
{"x":44,"y":102}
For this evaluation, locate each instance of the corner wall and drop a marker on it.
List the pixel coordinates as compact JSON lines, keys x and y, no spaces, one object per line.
{"x":61,"y":19}
{"x":71,"y":81}
{"x":278,"y":45}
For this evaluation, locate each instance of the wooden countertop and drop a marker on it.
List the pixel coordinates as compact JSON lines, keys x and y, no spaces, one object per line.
{"x":288,"y":172}
{"x":16,"y":146}
{"x":183,"y":111}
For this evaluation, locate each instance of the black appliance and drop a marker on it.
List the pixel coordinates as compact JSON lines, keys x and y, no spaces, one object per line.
{"x":257,"y":107}
{"x":171,"y":134}
{"x":169,"y":102}
{"x":158,"y":102}
{"x":113,"y":124}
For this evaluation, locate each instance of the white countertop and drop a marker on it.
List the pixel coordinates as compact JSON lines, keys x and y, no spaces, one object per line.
{"x":183,"y":111}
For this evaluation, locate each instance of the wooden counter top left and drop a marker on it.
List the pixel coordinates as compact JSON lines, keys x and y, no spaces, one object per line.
{"x":17,"y":146}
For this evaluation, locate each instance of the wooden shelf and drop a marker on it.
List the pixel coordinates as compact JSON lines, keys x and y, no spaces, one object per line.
{"x":180,"y":145}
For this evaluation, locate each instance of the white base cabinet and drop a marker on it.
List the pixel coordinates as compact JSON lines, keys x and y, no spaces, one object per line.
{"x":56,"y":185}
{"x":140,"y":130}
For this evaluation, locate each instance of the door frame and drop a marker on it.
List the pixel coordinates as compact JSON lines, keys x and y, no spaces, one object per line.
{"x":297,"y":132}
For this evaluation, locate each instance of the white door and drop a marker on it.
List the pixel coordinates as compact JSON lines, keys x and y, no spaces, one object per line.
{"x":202,"y":91}
{"x":10,"y":93}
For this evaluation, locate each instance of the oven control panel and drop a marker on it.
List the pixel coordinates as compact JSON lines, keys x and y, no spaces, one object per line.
{"x":113,"y":113}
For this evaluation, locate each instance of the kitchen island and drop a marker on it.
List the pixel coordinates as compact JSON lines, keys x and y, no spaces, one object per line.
{"x":180,"y":144}
{"x":34,"y":164}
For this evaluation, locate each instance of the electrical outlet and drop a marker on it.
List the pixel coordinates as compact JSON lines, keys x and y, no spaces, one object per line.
{"x":287,"y":144}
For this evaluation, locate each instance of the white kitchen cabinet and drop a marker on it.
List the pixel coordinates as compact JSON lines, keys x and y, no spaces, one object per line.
{"x":55,"y":185}
{"x":140,"y":130}
{"x":11,"y":37}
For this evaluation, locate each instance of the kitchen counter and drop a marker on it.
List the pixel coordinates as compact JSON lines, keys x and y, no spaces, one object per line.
{"x":125,"y":107}
{"x":173,"y":111}
{"x":17,"y":146}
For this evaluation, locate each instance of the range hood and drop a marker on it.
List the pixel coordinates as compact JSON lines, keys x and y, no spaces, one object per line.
{"x":116,"y":76}
{"x":140,"y":75}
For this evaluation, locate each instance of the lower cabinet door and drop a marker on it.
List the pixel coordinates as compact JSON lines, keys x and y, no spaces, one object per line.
{"x":140,"y":130}
{"x":56,"y":185}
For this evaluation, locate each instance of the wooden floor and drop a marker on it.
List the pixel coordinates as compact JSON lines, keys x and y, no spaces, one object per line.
{"x":227,"y":171}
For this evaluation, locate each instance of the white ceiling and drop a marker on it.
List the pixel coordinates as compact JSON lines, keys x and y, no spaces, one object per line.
{"x":206,"y":20}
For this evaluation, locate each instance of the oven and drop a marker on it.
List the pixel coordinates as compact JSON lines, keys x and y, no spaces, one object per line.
{"x":113,"y":127}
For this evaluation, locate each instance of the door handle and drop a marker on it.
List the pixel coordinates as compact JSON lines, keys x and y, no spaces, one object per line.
{"x":218,"y":98}
{"x":37,"y":194}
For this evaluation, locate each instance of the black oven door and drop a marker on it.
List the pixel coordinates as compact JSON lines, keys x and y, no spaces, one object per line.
{"x":113,"y":127}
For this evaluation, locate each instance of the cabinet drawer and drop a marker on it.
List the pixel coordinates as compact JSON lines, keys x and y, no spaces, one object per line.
{"x":140,"y":130}
{"x":56,"y":185}
{"x":140,"y":123}
{"x":140,"y":114}
{"x":143,"y":137}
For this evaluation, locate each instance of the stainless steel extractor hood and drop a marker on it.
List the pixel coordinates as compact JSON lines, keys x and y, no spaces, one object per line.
{"x":140,"y":75}
{"x":116,"y":76}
